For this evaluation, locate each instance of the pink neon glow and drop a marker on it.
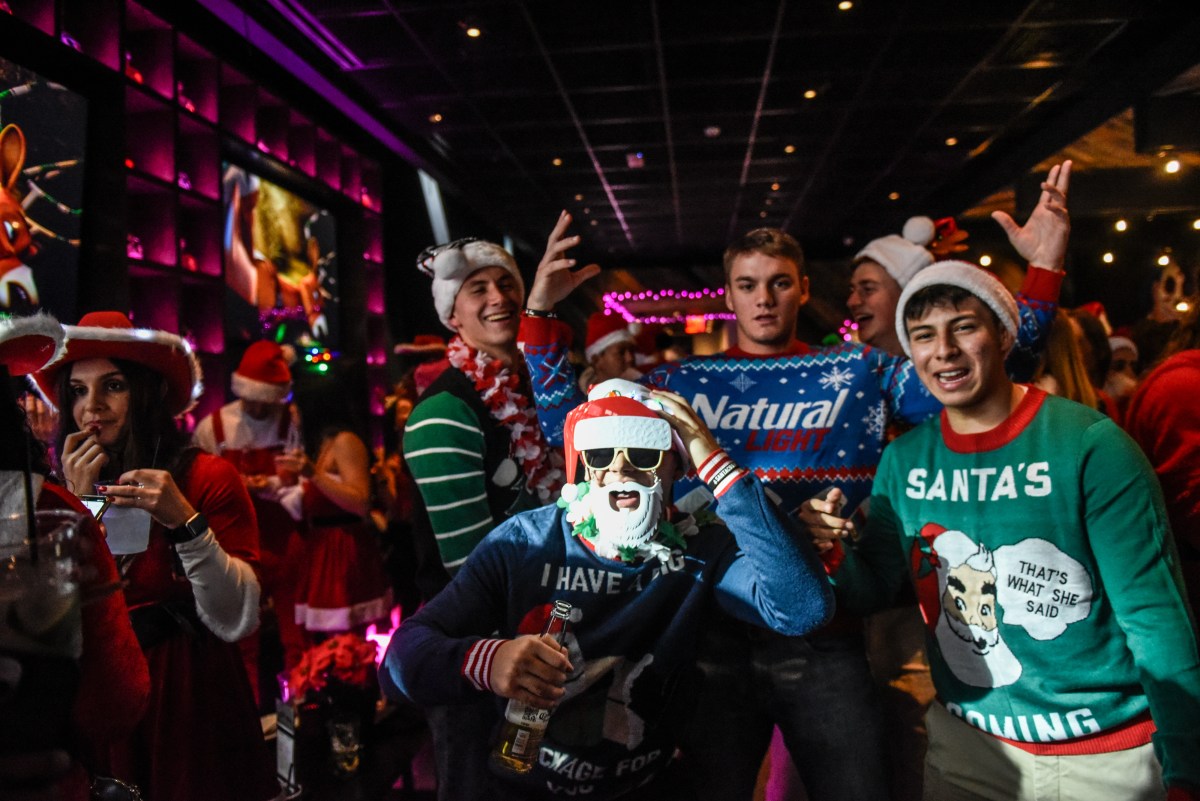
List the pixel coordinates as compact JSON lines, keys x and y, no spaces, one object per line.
{"x":382,"y":639}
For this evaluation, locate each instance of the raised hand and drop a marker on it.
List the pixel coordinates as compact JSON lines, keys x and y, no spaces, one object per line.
{"x":555,"y":280}
{"x":1042,"y":241}
{"x":532,"y":669}
{"x":696,"y":436}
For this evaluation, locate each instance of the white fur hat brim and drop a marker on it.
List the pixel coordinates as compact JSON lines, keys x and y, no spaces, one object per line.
{"x":608,"y":340}
{"x":29,"y":344}
{"x":261,"y":391}
{"x":974,"y":279}
{"x":902,"y":257}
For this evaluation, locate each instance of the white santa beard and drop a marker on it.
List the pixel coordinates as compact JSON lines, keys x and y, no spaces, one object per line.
{"x":995,"y":667}
{"x":625,"y":528}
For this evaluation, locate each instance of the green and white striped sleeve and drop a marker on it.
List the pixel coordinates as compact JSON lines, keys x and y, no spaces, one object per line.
{"x":444,"y":446}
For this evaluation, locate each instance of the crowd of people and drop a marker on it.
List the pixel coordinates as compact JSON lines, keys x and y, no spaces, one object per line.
{"x":950,"y":560}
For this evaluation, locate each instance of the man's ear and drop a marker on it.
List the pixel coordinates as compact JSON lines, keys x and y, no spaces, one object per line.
{"x":728,"y":294}
{"x":1007,"y":340}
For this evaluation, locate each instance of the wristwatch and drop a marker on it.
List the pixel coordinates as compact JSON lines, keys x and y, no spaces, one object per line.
{"x":194,"y":527}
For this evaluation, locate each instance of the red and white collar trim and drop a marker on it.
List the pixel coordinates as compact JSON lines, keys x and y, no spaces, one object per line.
{"x":1002,"y":434}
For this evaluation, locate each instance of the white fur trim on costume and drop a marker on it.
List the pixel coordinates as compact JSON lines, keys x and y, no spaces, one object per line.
{"x":976,"y":280}
{"x":609,"y":339}
{"x":251,"y":390}
{"x":623,"y":432}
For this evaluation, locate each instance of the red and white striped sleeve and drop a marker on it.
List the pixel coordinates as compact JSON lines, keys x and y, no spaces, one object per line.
{"x":720,"y":472}
{"x":477,"y":664}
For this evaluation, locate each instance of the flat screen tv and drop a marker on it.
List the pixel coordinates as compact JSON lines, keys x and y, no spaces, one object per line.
{"x":43,"y":131}
{"x":281,"y":271}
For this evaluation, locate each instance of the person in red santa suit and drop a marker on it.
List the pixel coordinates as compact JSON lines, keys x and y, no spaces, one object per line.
{"x":609,"y":350}
{"x":249,"y":433}
{"x":193,"y":590}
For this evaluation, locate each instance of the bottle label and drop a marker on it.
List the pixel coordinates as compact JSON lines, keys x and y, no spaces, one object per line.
{"x":520,"y":743}
{"x":526,"y":715}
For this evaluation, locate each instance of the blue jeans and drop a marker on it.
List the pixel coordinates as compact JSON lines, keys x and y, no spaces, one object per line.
{"x":816,"y":689}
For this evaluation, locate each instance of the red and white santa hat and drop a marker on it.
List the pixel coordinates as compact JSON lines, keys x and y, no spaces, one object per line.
{"x":110,"y":335}
{"x":29,"y":344}
{"x":263,"y":374}
{"x":617,"y":414}
{"x":603,"y":331}
{"x":964,"y":275}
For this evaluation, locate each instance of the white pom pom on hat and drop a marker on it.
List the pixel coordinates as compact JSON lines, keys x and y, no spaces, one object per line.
{"x":974,"y":279}
{"x":902,"y":256}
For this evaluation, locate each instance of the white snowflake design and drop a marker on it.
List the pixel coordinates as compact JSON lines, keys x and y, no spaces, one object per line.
{"x":743,"y":382}
{"x":876,"y":420}
{"x":835,"y":378}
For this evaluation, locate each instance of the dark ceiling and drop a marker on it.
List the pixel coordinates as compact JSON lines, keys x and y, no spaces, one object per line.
{"x":829,"y":123}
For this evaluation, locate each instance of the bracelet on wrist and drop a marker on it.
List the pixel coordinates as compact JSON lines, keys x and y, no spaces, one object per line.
{"x":715,"y":482}
{"x":547,"y":314}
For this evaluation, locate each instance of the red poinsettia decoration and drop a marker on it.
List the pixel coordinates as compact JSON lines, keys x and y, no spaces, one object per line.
{"x":346,"y":658}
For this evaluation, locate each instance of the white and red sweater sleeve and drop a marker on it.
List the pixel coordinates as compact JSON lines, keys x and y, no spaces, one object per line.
{"x":477,"y":664}
{"x":719,"y":472}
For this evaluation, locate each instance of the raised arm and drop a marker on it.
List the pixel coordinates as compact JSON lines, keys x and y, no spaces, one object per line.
{"x":543,"y":339}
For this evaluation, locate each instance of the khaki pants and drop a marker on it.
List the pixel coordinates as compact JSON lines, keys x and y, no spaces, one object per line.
{"x":966,"y":764}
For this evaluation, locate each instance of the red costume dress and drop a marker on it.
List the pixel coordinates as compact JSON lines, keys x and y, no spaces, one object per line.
{"x":343,"y":585}
{"x":200,"y":739}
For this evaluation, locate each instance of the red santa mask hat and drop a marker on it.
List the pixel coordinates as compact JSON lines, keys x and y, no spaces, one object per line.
{"x":263,"y":374}
{"x":110,"y":335}
{"x":452,"y":264}
{"x":617,"y":414}
{"x":604,"y":331}
{"x":902,"y":256}
{"x":29,"y":344}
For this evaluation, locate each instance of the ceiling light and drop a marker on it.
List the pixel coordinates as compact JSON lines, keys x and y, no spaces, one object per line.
{"x":587,"y":209}
{"x":894,"y":196}
{"x":789,"y":148}
{"x":1196,"y":224}
{"x":845,"y":5}
{"x":557,"y":162}
{"x":762,"y":214}
{"x":1182,"y":306}
{"x":985,"y":260}
{"x":1107,"y":258}
{"x":1121,"y":225}
{"x":775,"y":187}
{"x":595,"y":222}
{"x":472,"y":31}
{"x":951,"y":141}
{"x":635,"y":161}
{"x":712,"y":131}
{"x":1172,"y":166}
{"x":435,"y":117}
{"x":809,"y":94}
{"x":1164,"y":260}
{"x":579,"y":197}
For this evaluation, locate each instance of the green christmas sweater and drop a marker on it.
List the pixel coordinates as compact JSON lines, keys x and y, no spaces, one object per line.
{"x":1048,"y":578}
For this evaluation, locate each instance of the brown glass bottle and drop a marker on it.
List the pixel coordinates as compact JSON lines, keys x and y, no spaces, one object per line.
{"x":525,"y":725}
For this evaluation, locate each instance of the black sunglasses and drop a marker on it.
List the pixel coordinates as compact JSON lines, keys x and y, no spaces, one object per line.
{"x":644,"y":459}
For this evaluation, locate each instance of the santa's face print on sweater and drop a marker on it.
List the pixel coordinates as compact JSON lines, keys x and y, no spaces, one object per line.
{"x":980,"y":593}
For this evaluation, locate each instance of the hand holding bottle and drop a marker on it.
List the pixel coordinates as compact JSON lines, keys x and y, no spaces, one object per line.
{"x":532,"y":669}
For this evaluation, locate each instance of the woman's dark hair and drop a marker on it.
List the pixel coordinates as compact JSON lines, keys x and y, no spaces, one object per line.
{"x":1098,"y":353}
{"x":327,"y":405}
{"x":150,"y":439}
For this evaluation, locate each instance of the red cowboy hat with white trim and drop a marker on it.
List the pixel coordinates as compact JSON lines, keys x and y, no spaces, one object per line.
{"x":110,"y":335}
{"x":29,"y":344}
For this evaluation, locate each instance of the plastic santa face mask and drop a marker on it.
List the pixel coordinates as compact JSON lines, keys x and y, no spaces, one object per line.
{"x":619,"y":527}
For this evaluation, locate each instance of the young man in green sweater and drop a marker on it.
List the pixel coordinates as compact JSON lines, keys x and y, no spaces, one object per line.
{"x":1034,"y":532}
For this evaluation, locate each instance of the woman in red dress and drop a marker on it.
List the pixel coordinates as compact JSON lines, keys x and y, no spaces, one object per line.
{"x":193,"y":592}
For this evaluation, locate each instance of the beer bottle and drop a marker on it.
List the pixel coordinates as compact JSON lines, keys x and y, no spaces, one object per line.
{"x":525,"y":725}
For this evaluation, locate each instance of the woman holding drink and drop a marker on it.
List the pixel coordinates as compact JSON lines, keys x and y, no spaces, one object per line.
{"x":193,"y":590}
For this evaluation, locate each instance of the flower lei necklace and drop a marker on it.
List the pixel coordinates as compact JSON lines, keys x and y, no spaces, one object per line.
{"x":498,"y":386}
{"x":668,"y":538}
